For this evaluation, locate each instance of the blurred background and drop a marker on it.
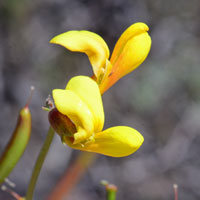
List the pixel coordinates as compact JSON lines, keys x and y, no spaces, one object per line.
{"x":161,"y":98}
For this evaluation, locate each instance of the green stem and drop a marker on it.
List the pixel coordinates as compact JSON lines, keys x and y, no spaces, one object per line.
{"x":39,"y":163}
{"x":111,"y":190}
{"x":111,"y":193}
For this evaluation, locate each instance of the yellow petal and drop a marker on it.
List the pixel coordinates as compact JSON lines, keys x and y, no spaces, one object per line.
{"x":68,"y":103}
{"x":129,"y":33}
{"x":134,"y":52}
{"x":88,"y":91}
{"x":117,"y":141}
{"x":86,"y":42}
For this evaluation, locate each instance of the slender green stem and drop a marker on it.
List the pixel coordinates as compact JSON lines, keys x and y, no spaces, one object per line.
{"x":39,"y":163}
{"x":111,"y":192}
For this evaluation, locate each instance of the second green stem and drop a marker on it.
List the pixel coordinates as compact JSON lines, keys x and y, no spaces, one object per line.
{"x":39,"y":163}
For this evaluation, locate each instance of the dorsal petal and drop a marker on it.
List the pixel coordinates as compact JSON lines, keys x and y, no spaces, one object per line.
{"x":86,"y":42}
{"x":117,"y":141}
{"x":88,"y":91}
{"x":68,"y":103}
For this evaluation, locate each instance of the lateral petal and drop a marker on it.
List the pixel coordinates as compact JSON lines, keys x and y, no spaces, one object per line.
{"x":129,"y":33}
{"x":86,"y":42}
{"x":68,"y":103}
{"x":88,"y":91}
{"x":133,"y":54}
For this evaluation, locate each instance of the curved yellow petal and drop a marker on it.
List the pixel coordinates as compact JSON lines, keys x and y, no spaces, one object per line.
{"x":117,"y":141}
{"x":133,"y":54}
{"x":68,"y":103}
{"x":129,"y":33}
{"x":86,"y":42}
{"x":88,"y":91}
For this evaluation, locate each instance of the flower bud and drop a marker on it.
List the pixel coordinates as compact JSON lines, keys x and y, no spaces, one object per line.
{"x":17,"y":144}
{"x":61,"y":123}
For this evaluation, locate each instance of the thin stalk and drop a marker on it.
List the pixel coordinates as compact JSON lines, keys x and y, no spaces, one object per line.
{"x":39,"y":163}
{"x":111,"y":192}
{"x":72,"y":176}
{"x":175,"y":186}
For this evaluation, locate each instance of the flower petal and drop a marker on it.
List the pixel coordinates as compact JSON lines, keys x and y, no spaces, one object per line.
{"x":129,"y":33}
{"x":68,"y":103}
{"x":88,"y":91}
{"x":129,"y":57}
{"x":86,"y":42}
{"x":117,"y":141}
{"x":133,"y":54}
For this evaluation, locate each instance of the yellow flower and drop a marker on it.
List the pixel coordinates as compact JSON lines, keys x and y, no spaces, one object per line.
{"x":81,"y":102}
{"x":130,"y":51}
